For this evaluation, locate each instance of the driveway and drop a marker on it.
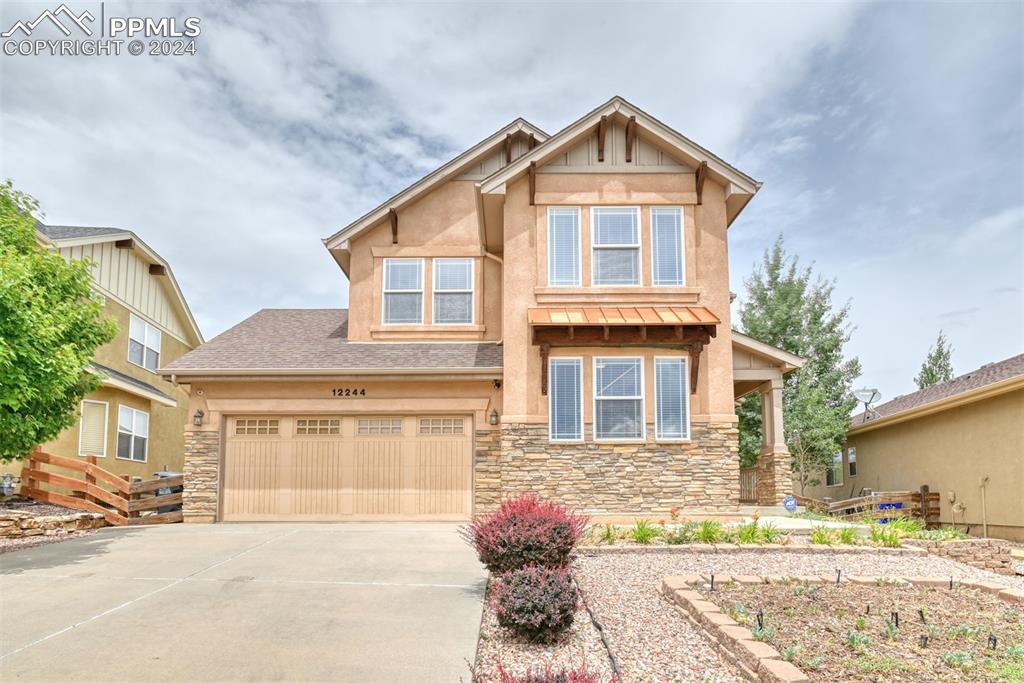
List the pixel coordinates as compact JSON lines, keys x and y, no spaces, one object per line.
{"x":339,"y":602}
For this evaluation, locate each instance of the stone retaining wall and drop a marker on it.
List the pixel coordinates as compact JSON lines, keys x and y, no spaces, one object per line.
{"x":612,"y":478}
{"x":17,"y":524}
{"x":984,"y":553}
{"x":202,"y":476}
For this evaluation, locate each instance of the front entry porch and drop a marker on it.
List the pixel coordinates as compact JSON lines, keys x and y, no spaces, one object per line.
{"x":759,"y":367}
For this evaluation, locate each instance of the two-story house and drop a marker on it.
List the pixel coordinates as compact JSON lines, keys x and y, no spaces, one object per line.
{"x":132,"y":423}
{"x":542,"y":313}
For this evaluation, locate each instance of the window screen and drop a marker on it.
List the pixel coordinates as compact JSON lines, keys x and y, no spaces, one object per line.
{"x":616,"y":247}
{"x":618,"y":398}
{"x":667,"y":239}
{"x":672,"y":418}
{"x":565,"y":389}
{"x":564,"y":247}
{"x":403,"y":291}
{"x":453,"y":291}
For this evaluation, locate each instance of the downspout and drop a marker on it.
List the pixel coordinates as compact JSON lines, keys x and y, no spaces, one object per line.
{"x":984,"y":509}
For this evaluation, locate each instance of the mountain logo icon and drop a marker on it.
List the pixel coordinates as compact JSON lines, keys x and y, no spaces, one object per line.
{"x":54,"y":17}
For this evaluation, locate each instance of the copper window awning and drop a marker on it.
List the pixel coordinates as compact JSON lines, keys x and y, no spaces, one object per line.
{"x":689,"y":327}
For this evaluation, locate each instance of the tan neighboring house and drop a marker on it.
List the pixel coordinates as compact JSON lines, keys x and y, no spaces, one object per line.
{"x":545,"y":313}
{"x":132,"y":423}
{"x":963,"y":438}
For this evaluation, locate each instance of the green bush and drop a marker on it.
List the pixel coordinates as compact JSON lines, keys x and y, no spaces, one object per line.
{"x":644,"y":532}
{"x":748,"y":533}
{"x":710,"y":531}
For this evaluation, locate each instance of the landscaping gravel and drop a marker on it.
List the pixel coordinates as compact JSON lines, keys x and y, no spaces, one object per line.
{"x":580,"y":644}
{"x":653,"y":642}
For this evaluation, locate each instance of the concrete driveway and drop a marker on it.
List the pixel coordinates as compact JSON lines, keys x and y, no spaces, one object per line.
{"x":288,"y":602}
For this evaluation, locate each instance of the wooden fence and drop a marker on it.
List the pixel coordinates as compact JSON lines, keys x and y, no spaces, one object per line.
{"x":121,"y":502}
{"x":923,"y":504}
{"x":748,"y":484}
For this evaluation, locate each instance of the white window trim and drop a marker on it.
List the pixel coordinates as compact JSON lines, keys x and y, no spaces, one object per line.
{"x":385,"y":291}
{"x":643,"y":401}
{"x":471,"y":291}
{"x":551,"y":399}
{"x":579,"y":245}
{"x":148,"y":417}
{"x":682,"y":245}
{"x":638,"y":246}
{"x":832,"y":468}
{"x":145,"y":332}
{"x":106,"y":427}
{"x":686,"y":400}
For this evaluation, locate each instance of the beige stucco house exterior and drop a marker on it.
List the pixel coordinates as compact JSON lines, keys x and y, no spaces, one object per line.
{"x":132,"y":423}
{"x":542,"y":313}
{"x":963,"y":438}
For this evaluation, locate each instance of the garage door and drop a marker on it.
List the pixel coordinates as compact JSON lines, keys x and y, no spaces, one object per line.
{"x":338,"y":467}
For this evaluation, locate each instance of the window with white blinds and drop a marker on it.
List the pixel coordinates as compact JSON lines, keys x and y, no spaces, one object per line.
{"x":616,"y":245}
{"x":403,"y":291}
{"x":667,"y":246}
{"x":564,"y":246}
{"x":92,"y":435}
{"x":565,"y":397}
{"x":671,"y":399}
{"x":453,"y":291}
{"x":618,"y":399}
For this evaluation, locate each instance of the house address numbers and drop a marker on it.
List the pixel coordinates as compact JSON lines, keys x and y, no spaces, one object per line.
{"x":347,"y":392}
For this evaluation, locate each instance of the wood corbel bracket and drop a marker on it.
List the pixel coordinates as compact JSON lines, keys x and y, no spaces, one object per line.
{"x":602,"y":130}
{"x":508,"y":148}
{"x":532,"y":173}
{"x":702,"y":173}
{"x":545,"y":350}
{"x":393,"y":217}
{"x":630,"y":138}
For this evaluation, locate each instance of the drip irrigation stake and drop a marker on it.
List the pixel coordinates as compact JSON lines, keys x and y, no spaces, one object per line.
{"x":924,"y":640}
{"x":712,"y":581}
{"x":839,"y":575}
{"x":992,"y":642}
{"x":895,"y":618}
{"x":951,"y":583}
{"x":760,"y":619}
{"x":868,"y":610}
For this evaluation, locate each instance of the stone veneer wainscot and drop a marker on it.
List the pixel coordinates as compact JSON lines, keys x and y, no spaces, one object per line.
{"x":202,"y":476}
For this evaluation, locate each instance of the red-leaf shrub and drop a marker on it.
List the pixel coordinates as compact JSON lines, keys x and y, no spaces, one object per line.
{"x":549,"y":675}
{"x":525,"y":530}
{"x":535,"y":602}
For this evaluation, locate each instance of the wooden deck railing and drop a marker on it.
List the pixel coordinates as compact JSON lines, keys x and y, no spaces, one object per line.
{"x":120,"y":501}
{"x":748,"y":484}
{"x":922,"y":503}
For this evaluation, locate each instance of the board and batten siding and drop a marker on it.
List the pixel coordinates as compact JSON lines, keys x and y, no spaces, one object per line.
{"x":121,"y":273}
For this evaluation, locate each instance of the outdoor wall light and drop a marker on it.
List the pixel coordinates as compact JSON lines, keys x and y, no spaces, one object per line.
{"x":493,"y":417}
{"x":197,"y":419}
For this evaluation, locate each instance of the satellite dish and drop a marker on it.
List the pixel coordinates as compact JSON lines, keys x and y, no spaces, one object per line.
{"x":867,"y":397}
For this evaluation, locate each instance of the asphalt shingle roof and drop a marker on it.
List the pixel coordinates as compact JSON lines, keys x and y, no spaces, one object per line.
{"x":317,"y":339}
{"x":983,"y":376}
{"x":71,"y":232}
{"x":111,"y":372}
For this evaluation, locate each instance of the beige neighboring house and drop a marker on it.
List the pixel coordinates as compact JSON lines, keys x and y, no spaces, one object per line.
{"x":133,"y":422}
{"x":963,"y":438}
{"x":545,"y":313}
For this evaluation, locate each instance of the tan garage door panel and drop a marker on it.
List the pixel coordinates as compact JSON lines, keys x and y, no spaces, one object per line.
{"x":344,"y":467}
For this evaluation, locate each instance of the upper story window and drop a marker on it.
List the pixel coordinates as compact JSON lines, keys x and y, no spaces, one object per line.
{"x":403,"y":291}
{"x":616,"y":246}
{"x":143,"y":344}
{"x":618,"y":398}
{"x":453,"y":291}
{"x":667,"y":246}
{"x":564,"y":247}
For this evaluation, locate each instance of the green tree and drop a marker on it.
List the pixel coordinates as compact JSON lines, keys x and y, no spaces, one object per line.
{"x":51,"y":323}
{"x":786,"y":306}
{"x":937,"y":366}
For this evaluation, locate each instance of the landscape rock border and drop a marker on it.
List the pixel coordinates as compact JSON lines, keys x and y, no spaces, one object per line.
{"x":14,"y":524}
{"x":760,"y":661}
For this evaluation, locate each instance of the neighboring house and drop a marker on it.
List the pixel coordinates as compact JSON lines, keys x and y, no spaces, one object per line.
{"x":133,"y":422}
{"x":953,"y":437}
{"x":542,"y":313}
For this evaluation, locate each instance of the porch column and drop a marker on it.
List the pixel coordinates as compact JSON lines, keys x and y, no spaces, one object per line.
{"x":774,"y":473}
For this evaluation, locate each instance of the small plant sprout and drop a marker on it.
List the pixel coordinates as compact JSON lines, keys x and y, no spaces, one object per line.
{"x":857,"y":641}
{"x":821,"y":536}
{"x":921,"y":613}
{"x":814,"y":663}
{"x":762,"y":633}
{"x":608,"y":534}
{"x":790,"y":653}
{"x":957,"y":660}
{"x":860,"y":624}
{"x":848,"y":535}
{"x":892,"y":629}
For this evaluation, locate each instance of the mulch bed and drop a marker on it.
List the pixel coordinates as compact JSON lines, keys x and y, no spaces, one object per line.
{"x":812,"y":625}
{"x":31,"y":507}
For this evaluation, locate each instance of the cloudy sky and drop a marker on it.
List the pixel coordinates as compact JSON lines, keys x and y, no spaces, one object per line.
{"x":888,"y":137}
